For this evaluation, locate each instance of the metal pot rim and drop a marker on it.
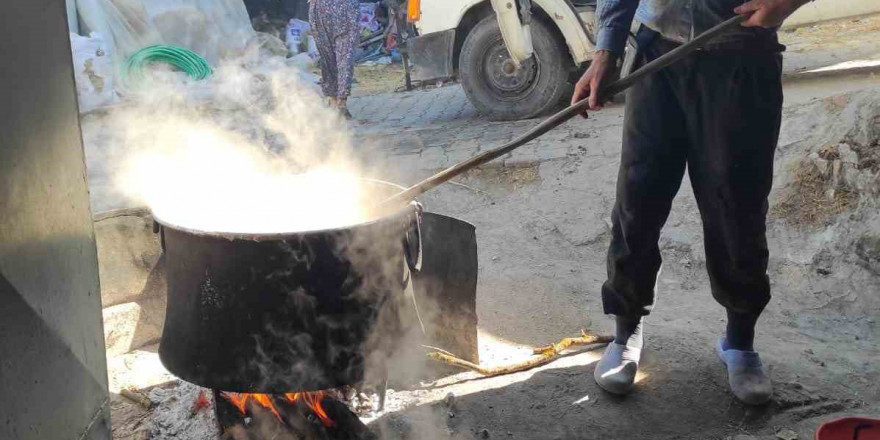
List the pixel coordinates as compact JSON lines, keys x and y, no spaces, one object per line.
{"x":261,"y":236}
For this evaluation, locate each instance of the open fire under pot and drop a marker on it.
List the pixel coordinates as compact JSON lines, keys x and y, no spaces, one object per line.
{"x":276,"y":323}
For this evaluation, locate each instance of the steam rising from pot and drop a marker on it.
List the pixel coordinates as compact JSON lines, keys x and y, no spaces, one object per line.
{"x":261,"y":155}
{"x":238,"y":191}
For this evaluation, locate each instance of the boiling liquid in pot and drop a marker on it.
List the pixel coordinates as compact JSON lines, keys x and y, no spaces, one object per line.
{"x":274,"y":203}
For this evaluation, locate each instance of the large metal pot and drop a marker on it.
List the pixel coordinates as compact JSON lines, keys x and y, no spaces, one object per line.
{"x":286,"y":312}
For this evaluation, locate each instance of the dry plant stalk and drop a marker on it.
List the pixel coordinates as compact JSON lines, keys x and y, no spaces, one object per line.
{"x":137,"y":397}
{"x":545,"y":355}
{"x":807,"y":202}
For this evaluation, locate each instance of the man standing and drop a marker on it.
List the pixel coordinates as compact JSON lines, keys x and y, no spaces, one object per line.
{"x":717,"y":112}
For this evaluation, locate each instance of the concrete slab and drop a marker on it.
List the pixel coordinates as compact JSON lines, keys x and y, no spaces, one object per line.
{"x":129,"y":257}
{"x":133,"y":325}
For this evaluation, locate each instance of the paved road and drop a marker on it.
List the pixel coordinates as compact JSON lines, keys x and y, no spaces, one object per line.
{"x":435,"y":128}
{"x":430,"y":129}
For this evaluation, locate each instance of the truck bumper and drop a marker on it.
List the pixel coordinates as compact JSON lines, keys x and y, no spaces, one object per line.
{"x":431,"y":55}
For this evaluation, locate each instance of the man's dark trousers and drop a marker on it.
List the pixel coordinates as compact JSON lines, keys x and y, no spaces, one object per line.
{"x":717,"y":114}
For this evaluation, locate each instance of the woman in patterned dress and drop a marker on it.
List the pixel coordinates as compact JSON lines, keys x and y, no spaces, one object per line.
{"x":334,"y":25}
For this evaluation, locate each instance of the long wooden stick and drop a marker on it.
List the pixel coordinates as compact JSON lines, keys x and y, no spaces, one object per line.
{"x":584,"y":339}
{"x":565,"y":114}
{"x":545,"y":355}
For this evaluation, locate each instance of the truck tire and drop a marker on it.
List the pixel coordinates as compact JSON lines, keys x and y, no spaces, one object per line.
{"x":503,"y":92}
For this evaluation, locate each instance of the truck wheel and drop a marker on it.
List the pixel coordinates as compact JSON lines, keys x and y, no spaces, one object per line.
{"x":499,"y":89}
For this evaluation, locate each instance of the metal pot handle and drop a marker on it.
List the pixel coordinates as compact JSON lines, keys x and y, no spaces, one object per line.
{"x":412,"y":245}
{"x":158,"y":229}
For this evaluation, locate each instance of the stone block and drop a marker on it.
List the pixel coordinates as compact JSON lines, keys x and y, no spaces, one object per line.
{"x":129,"y":257}
{"x":132,"y":325}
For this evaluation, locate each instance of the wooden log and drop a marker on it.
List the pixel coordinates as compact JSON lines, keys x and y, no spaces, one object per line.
{"x":544,"y":355}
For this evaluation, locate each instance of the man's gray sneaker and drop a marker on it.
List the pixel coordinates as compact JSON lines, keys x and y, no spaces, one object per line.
{"x":616,"y":371}
{"x":746,"y":375}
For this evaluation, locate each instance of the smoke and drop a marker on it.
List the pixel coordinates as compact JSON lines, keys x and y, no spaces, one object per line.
{"x":251,"y":150}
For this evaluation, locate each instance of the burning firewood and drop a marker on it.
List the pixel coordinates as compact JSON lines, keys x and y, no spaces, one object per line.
{"x":201,"y":402}
{"x":545,"y":355}
{"x":301,"y":416}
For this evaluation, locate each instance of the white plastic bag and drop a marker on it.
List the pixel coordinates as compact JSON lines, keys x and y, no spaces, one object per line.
{"x":214,"y":29}
{"x":296,"y":31}
{"x":93,"y":71}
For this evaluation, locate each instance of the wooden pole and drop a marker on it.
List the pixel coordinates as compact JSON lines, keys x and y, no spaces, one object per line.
{"x":564,"y":115}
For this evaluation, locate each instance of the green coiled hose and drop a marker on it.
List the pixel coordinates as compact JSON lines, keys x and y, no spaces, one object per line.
{"x":184,"y":59}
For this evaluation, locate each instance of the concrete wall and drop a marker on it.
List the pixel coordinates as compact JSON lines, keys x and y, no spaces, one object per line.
{"x":72,"y":20}
{"x":820,"y":10}
{"x":53,"y":374}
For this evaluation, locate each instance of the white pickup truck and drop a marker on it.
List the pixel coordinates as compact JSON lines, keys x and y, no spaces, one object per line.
{"x":515,"y":58}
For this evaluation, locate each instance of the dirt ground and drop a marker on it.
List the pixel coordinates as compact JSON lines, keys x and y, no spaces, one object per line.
{"x":542,"y":243}
{"x":543,"y":230}
{"x":373,"y":79}
{"x":835,"y":44}
{"x":850,"y":31}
